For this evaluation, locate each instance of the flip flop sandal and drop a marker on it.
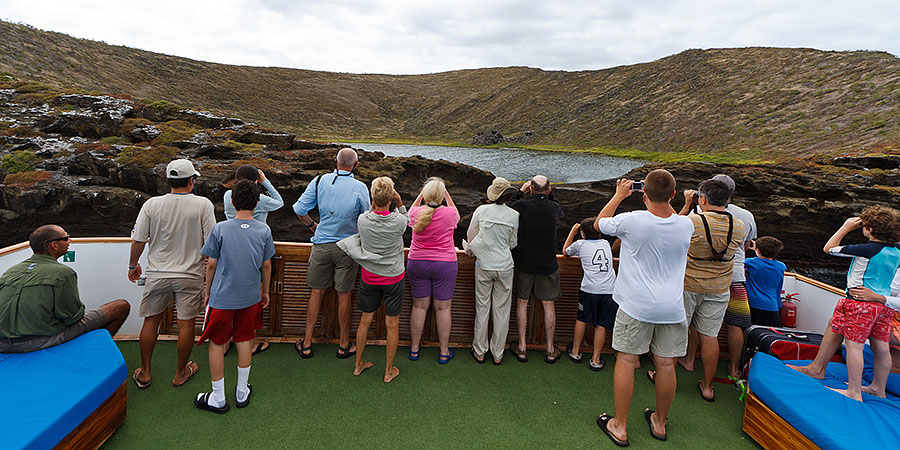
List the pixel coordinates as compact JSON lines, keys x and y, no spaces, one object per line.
{"x":246,"y":401}
{"x":192,"y":370}
{"x":647,"y":413}
{"x":301,"y":350}
{"x":344,"y":352}
{"x":522,"y":356}
{"x":598,"y":367}
{"x":574,"y":358}
{"x":260,"y":347}
{"x":475,"y":356}
{"x":136,"y":376}
{"x":551,"y":357}
{"x":201,"y":401}
{"x":651,"y":375}
{"x":414,"y":355}
{"x":603,"y":423}
{"x":709,"y":399}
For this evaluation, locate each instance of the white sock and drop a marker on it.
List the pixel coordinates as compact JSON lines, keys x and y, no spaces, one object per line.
{"x":242,"y":391}
{"x":217,"y":399}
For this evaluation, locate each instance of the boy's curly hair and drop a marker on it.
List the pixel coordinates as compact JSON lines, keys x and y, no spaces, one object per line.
{"x":884,"y":223}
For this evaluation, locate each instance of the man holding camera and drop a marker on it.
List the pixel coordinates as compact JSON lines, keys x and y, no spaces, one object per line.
{"x":536,"y":269}
{"x":717,"y":237}
{"x":649,"y":294}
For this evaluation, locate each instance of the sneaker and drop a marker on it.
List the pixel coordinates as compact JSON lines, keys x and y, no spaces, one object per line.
{"x":598,"y":367}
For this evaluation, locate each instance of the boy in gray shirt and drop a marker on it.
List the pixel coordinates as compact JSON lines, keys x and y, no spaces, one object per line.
{"x":237,"y":288}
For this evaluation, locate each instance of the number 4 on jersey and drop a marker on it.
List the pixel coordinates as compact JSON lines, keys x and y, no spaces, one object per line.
{"x":600,"y":259}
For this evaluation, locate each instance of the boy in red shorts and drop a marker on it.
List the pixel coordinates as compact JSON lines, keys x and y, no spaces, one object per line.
{"x":237,"y":288}
{"x":874,"y":264}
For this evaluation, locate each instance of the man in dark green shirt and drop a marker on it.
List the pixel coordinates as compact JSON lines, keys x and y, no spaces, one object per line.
{"x":39,"y":304}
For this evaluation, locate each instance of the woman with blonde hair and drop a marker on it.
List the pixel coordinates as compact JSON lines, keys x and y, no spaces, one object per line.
{"x":378,"y":248}
{"x":432,"y":266}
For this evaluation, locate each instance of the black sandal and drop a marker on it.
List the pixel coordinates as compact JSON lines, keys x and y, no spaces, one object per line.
{"x":201,"y":401}
{"x":344,"y":352}
{"x":302,"y":351}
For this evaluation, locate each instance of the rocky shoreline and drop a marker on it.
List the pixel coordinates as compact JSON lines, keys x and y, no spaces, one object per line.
{"x":88,"y":162}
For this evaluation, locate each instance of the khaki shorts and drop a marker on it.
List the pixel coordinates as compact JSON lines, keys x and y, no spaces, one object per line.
{"x":92,"y":320}
{"x":544,"y":287}
{"x":666,"y":340}
{"x":161,"y":293}
{"x":706,"y":311}
{"x":330,"y":266}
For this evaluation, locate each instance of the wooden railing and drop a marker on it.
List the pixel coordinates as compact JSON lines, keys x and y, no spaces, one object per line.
{"x":285,"y":317}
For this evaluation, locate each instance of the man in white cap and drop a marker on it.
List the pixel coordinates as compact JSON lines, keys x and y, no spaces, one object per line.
{"x":176,"y":225}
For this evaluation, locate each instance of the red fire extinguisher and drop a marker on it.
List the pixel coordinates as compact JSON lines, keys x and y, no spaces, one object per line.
{"x":789,"y":309}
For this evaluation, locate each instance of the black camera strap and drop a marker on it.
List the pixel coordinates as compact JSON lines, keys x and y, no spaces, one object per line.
{"x":717,"y":255}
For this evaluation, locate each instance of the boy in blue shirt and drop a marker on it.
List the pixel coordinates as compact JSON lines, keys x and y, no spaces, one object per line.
{"x":595,"y":302}
{"x":237,"y":288}
{"x":765,"y":279}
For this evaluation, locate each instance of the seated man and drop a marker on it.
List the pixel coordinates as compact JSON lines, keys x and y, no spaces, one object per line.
{"x":39,"y":304}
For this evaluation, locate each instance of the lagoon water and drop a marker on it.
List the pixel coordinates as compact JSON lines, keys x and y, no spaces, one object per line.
{"x":518,"y":164}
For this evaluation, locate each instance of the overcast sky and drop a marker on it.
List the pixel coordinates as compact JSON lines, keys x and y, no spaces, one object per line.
{"x":422,"y":36}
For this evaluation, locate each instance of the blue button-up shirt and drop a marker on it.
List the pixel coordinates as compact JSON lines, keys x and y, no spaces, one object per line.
{"x":341,"y":199}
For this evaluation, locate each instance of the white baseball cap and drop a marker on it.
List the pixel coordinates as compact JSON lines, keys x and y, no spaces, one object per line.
{"x":181,"y":168}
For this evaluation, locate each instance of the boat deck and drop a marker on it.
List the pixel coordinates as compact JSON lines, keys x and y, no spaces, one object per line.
{"x":318,"y":403}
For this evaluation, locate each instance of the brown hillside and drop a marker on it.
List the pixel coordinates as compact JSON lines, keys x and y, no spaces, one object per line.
{"x":752,"y":102}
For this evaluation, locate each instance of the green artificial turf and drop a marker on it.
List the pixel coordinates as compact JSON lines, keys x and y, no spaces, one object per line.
{"x":318,"y":403}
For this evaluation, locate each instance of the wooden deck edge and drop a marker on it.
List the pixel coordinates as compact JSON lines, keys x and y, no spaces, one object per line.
{"x":100,"y":425}
{"x":769,"y":430}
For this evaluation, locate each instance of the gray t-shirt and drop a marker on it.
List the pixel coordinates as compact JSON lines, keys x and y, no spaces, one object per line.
{"x":240,"y":246}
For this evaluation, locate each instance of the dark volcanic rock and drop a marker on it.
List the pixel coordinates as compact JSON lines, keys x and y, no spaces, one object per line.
{"x":487,"y":138}
{"x":97,"y":116}
{"x":204,"y":119}
{"x":280,"y":141}
{"x":145,"y":133}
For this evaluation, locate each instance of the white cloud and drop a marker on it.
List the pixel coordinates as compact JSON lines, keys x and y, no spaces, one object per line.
{"x":406,"y":36}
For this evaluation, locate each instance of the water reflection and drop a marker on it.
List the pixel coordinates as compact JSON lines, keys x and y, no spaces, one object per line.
{"x":518,"y":164}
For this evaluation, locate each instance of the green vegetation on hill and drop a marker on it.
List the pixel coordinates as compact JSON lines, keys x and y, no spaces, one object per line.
{"x":748,"y":104}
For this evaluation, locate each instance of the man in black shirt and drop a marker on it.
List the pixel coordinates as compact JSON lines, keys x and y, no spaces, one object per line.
{"x":536,"y":269}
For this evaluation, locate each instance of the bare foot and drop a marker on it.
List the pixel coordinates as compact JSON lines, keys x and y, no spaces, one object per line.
{"x":362,"y":367}
{"x":689,"y":366}
{"x":857,"y":396}
{"x":616,"y":430}
{"x":808,"y":371}
{"x":394,"y":372}
{"x":872,"y":391}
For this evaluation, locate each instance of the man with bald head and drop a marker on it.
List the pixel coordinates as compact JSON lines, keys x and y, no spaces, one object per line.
{"x":39,"y":303}
{"x":340,"y":200}
{"x":536,"y":270}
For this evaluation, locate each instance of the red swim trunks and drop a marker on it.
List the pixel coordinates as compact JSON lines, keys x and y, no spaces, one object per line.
{"x":857,"y":320}
{"x":222,"y":325}
{"x":895,"y":330}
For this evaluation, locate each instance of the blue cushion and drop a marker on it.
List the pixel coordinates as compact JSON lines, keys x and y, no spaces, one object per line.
{"x":827,"y":418}
{"x":50,"y":392}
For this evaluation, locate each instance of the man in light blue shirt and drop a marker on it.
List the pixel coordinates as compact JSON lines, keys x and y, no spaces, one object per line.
{"x":340,"y":199}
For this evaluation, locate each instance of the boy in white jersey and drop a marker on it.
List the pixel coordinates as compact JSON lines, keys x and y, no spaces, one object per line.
{"x":595,"y":301}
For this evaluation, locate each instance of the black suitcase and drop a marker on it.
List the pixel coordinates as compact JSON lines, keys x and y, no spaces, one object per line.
{"x":783,"y":343}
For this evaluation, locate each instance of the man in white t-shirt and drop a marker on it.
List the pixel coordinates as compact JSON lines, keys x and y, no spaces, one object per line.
{"x":176,"y":225}
{"x":648,"y":290}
